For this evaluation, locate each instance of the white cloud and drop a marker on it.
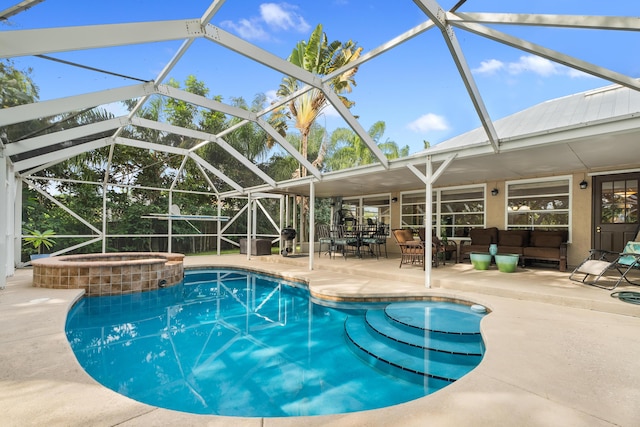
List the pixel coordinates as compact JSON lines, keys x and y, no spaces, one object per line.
{"x":247,"y":29}
{"x":283,"y":16}
{"x":534,"y":64}
{"x":577,"y":74}
{"x":489,"y":67}
{"x":275,"y":16}
{"x":528,"y":64}
{"x":428,"y":122}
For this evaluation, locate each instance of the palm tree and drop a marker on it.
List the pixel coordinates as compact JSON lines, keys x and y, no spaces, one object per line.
{"x":321,"y":58}
{"x":347,"y":148}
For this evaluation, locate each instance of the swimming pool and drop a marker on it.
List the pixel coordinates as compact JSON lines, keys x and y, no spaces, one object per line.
{"x":237,"y":343}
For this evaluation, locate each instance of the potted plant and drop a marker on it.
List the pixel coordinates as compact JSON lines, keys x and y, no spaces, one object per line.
{"x":38,"y":239}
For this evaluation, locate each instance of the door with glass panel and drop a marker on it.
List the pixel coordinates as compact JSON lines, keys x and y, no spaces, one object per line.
{"x":615,"y":213}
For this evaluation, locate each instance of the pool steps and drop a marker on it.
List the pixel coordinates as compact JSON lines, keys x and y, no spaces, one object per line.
{"x":414,"y":350}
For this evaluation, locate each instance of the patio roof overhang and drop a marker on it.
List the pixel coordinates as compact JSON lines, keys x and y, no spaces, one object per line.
{"x":594,"y":147}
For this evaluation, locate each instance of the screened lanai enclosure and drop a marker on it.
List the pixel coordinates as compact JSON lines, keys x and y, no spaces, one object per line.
{"x":187,"y":126}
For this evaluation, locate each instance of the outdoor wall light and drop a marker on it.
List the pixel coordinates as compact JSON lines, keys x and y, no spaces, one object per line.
{"x":394,"y":200}
{"x":583,"y":184}
{"x":494,"y":192}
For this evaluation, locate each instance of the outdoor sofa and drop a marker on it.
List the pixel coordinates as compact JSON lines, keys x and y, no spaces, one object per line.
{"x":538,"y":245}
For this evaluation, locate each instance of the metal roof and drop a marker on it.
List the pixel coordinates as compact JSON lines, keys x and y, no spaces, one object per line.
{"x":593,"y":131}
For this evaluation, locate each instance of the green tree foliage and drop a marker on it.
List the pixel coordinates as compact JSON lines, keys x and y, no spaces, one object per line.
{"x":16,"y":87}
{"x":348,"y":150}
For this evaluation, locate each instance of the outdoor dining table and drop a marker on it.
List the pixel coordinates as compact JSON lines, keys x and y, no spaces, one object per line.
{"x":359,"y":233}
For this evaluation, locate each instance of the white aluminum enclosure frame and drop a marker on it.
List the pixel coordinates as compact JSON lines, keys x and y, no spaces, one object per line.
{"x":64,"y":39}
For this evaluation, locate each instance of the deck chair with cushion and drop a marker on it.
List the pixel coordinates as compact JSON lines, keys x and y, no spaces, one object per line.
{"x":412,"y":251}
{"x":325,"y":237}
{"x":376,"y":238}
{"x":447,"y":250}
{"x":345,"y":240}
{"x":595,"y":268}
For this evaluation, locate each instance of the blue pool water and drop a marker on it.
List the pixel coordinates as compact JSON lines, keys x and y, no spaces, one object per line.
{"x":230,"y":342}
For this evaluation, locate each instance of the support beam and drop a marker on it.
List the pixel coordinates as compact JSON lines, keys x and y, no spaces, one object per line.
{"x":550,"y":54}
{"x":4,"y":221}
{"x":312,"y":221}
{"x":261,"y":56}
{"x":50,"y":159}
{"x":53,"y":107}
{"x":164,"y":127}
{"x":202,"y":101}
{"x":64,"y":39}
{"x":16,"y":9}
{"x":427,"y":224}
{"x":61,"y":206}
{"x":624,"y":23}
{"x":216,"y":172}
{"x":39,"y":142}
{"x":433,"y":10}
{"x":249,"y":214}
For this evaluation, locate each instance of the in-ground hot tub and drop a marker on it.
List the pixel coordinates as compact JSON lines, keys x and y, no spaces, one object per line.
{"x":110,"y":273}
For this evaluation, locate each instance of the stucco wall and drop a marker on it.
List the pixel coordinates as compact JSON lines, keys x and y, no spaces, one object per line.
{"x":495,"y":216}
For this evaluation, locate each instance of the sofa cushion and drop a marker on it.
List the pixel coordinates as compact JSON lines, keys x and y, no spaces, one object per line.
{"x":512,"y":238}
{"x":542,"y":252}
{"x":483,"y":236}
{"x":547,"y":239}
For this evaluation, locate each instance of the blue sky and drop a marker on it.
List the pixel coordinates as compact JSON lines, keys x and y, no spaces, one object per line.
{"x":415,"y":88}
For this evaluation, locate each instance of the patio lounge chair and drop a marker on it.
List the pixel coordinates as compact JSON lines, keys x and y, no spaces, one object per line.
{"x":599,"y":262}
{"x":412,"y":251}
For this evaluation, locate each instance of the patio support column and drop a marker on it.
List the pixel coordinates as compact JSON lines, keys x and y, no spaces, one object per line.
{"x":427,"y":223}
{"x":312,"y":221}
{"x":249,"y":225}
{"x":294,"y":211}
{"x":16,"y":195}
{"x":254,"y":219}
{"x":170,"y":223}
{"x":104,"y":212}
{"x":218,"y":225}
{"x":284,"y":209}
{"x":105,"y":187}
{"x":4,"y":219}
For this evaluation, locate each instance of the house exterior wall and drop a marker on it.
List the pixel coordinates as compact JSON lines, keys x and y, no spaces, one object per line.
{"x":581,"y":211}
{"x":580,"y":226}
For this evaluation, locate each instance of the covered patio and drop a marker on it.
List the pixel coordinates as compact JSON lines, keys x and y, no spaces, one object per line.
{"x":558,"y":353}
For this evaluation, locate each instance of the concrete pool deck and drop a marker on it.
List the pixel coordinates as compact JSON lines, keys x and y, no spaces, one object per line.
{"x":558,"y":353}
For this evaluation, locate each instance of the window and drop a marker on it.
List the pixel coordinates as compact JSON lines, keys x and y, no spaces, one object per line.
{"x":374,"y":209}
{"x":460,"y":210}
{"x":619,"y":202}
{"x":413,"y":210}
{"x":455,"y":210}
{"x":539,"y":204}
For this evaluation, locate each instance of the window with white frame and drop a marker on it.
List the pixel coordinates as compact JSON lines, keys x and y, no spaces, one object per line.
{"x":461,"y":209}
{"x":539,"y":204}
{"x":371,"y":209}
{"x":455,"y":210}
